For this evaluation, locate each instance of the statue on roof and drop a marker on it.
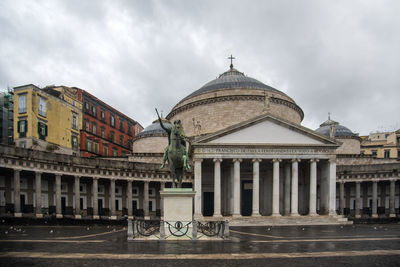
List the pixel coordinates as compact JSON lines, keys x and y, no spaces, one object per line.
{"x":175,"y":152}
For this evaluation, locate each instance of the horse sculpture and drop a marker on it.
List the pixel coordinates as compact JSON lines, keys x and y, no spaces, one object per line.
{"x":175,"y":152}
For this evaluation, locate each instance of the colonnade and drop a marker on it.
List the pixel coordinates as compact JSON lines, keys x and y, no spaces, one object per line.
{"x":94,"y":195}
{"x":363,"y":199}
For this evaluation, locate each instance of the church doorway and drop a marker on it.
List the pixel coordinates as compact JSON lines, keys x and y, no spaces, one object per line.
{"x":208,"y":204}
{"x":247,"y":198}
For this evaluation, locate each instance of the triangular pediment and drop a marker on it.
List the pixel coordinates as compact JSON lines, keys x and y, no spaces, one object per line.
{"x":267,"y":130}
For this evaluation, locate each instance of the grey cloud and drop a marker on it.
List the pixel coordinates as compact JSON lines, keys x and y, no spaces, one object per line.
{"x":339,"y":57}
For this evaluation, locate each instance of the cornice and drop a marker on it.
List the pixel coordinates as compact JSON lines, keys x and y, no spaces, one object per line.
{"x":260,"y":98}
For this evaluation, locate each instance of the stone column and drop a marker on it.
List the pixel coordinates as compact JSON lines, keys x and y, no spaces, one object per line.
{"x":392,"y":211}
{"x":77,"y":198}
{"x":275,"y":188}
{"x":95,"y":206}
{"x":287,"y":190}
{"x":358,"y":200}
{"x":217,"y":187}
{"x":197,"y":188}
{"x":17,"y":193}
{"x":236,"y":187}
{"x":256,"y":187}
{"x":383,"y":196}
{"x":112,"y":199}
{"x":313,"y":188}
{"x":129,"y":199}
{"x":38,"y":189}
{"x":374,"y":199}
{"x":332,"y":186}
{"x":341,"y":197}
{"x":146,"y":200}
{"x":162,"y":187}
{"x":58,"y":196}
{"x":295,"y":188}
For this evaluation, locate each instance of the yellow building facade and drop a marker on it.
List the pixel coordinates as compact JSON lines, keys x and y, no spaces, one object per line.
{"x":47,"y":119}
{"x":382,"y":145}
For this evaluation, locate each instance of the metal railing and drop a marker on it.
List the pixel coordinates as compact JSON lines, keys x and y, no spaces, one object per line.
{"x":175,"y":230}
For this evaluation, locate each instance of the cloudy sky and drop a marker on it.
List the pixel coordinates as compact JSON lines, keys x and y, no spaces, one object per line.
{"x":339,"y":56}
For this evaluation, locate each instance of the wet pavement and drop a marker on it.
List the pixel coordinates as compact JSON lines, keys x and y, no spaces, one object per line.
{"x":107,"y":245}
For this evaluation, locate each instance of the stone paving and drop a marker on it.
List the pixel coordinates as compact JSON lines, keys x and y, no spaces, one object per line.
{"x":107,"y":245}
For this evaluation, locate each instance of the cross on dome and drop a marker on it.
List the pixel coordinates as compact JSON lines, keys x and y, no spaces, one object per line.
{"x":231,"y":58}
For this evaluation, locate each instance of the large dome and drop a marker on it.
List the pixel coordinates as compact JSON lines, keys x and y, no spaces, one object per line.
{"x":230,"y":99}
{"x":231,"y":79}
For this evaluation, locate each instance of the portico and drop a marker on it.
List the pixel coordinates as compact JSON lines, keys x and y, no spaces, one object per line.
{"x":264,"y":167}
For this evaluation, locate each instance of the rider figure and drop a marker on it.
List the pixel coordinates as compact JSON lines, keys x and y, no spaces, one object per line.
{"x":178,"y":126}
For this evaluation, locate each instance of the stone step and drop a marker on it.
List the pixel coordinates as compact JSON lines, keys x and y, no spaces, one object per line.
{"x":286,"y":220}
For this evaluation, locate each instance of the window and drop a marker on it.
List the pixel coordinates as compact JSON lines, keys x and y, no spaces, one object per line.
{"x":121,"y":140}
{"x":112,"y":121}
{"x":74,"y":121}
{"x":103,"y":115}
{"x":387,"y":154}
{"x":374,"y":153}
{"x":94,"y":128}
{"x":42,"y":106}
{"x":87,"y":106}
{"x":129,"y":144}
{"x":129,"y":130}
{"x":73,"y":102}
{"x":114,"y":152}
{"x":74,"y":142}
{"x":398,"y":154}
{"x":96,"y":147}
{"x":135,"y":191}
{"x":87,"y":125}
{"x":112,"y":136}
{"x":105,"y":150}
{"x":94,"y":110}
{"x":22,"y":128}
{"x":103,"y":130}
{"x":88,"y":145}
{"x":22,"y":103}
{"x":121,"y":125}
{"x":398,"y":140}
{"x":42,"y":130}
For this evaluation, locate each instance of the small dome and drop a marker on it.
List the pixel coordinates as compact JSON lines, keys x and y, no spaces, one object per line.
{"x":340,"y":131}
{"x":154,"y":128}
{"x":232,"y":79}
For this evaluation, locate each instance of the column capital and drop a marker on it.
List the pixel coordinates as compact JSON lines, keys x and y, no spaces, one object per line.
{"x":276,"y":160}
{"x":17,"y":169}
{"x":77,"y":176}
{"x":95,"y":178}
{"x":332,"y":160}
{"x":358,"y":182}
{"x":256,"y":160}
{"x":198,"y":160}
{"x":38,"y":172}
{"x":217,"y":160}
{"x":237,"y":160}
{"x":341,"y":181}
{"x":296,"y":160}
{"x":314,"y":160}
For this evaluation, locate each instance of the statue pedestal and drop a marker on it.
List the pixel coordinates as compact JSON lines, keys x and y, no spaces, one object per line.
{"x":178,"y":212}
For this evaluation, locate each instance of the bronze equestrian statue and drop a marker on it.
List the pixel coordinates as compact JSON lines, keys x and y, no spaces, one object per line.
{"x":175,"y":152}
